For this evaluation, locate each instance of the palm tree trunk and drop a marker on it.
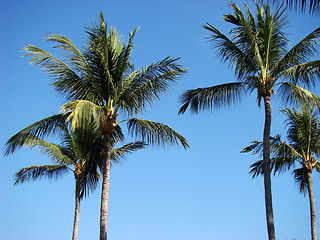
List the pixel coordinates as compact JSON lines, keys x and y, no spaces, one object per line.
{"x":266,"y":169}
{"x":105,"y":188}
{"x":77,"y":212}
{"x":312,"y":208}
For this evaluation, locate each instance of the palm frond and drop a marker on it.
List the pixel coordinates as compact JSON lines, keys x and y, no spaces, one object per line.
{"x":298,"y":54}
{"x":37,"y":172}
{"x":307,"y":73}
{"x":211,"y":97}
{"x":67,"y":82}
{"x":145,"y":86}
{"x":120,"y":153}
{"x":228,"y":50}
{"x":155,"y":133}
{"x":294,"y":94}
{"x":300,"y":177}
{"x":82,"y":113}
{"x":45,"y":127}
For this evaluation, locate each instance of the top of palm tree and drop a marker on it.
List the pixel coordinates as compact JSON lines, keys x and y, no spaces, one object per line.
{"x":103,"y":73}
{"x":257,"y":50}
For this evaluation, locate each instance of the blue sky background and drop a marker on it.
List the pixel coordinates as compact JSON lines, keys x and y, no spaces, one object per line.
{"x":159,"y":193}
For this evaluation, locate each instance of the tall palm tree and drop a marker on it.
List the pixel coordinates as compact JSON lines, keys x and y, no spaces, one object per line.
{"x":303,"y":5}
{"x":257,"y":51}
{"x":303,"y":147}
{"x":101,"y":83}
{"x":80,"y":152}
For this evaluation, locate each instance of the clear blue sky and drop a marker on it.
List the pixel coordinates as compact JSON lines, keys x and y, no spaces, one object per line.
{"x":202,"y":193}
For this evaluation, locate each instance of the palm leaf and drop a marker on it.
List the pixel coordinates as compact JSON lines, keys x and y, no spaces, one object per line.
{"x":119,"y":153}
{"x":145,"y":86}
{"x":294,"y":94}
{"x":45,"y":127}
{"x":300,"y":177}
{"x":40,"y":171}
{"x":155,"y":133}
{"x":211,"y":97}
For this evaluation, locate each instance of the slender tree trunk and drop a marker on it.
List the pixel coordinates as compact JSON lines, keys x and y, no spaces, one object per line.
{"x":105,"y":188}
{"x":266,"y":169}
{"x":76,"y":212}
{"x":312,"y":208}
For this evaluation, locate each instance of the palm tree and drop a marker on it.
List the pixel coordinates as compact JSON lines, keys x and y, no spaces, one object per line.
{"x":101,"y":83}
{"x":303,"y":5}
{"x":257,"y":51}
{"x":303,"y":147}
{"x":79,"y":153}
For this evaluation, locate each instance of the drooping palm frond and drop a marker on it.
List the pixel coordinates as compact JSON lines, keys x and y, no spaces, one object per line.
{"x":120,"y":153}
{"x":300,"y":177}
{"x":67,"y":82}
{"x":82,"y":113}
{"x":305,"y":73}
{"x":45,"y":127}
{"x":211,"y":97}
{"x":312,"y":6}
{"x":155,"y":133}
{"x":37,"y":172}
{"x":293,"y":94}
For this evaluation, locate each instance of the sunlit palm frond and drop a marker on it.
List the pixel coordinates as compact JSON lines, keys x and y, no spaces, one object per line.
{"x":45,"y":127}
{"x":155,"y":133}
{"x":211,"y":97}
{"x":82,"y":113}
{"x":37,"y":172}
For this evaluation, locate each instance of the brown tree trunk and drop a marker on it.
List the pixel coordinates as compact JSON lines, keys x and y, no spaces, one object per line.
{"x":312,"y":208}
{"x":76,"y":212}
{"x":105,"y":187}
{"x":266,"y":169}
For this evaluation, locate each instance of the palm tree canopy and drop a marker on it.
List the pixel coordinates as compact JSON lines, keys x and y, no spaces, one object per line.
{"x":257,"y":50}
{"x":303,"y":146}
{"x":103,"y":73}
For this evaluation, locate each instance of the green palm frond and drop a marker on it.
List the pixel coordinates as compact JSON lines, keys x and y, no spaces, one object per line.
{"x":283,"y":156}
{"x":211,"y":97}
{"x":307,"y":73}
{"x":300,"y":177}
{"x":144,"y":86}
{"x":155,"y":133}
{"x":82,"y":113}
{"x":297,"y":54}
{"x":228,"y":50}
{"x":293,"y":94}
{"x":45,"y":127}
{"x":119,"y":153}
{"x":67,"y":82}
{"x":37,"y":172}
